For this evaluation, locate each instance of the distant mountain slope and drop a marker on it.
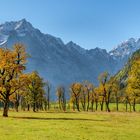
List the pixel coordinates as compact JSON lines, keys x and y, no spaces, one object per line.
{"x":122,"y":75}
{"x":64,"y":63}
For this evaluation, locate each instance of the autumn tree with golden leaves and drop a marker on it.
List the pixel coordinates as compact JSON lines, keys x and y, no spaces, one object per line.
{"x":11,"y":67}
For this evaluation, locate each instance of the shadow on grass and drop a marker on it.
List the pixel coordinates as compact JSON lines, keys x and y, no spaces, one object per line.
{"x":74,"y":119}
{"x":59,"y":112}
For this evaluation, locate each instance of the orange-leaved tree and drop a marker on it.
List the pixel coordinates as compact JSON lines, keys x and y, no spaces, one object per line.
{"x":35,"y":87}
{"x":76,"y":89}
{"x":11,"y":67}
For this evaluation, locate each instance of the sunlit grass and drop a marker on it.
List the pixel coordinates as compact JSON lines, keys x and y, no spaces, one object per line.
{"x":70,"y":126}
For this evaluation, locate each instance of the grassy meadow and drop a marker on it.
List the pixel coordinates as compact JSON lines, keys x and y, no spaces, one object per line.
{"x":70,"y":126}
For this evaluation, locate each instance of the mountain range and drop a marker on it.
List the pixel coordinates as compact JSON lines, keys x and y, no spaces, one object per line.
{"x":61,"y":63}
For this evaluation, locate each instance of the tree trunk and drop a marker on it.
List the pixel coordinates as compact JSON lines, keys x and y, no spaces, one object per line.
{"x":108,"y":101}
{"x":64,"y":105}
{"x":126,"y":106}
{"x":107,"y":106}
{"x":17,"y":102}
{"x":92,"y":103}
{"x":117,"y":104}
{"x":134,"y":105}
{"x":84,"y":103}
{"x":34,"y":107}
{"x":73,"y":105}
{"x":37,"y":106}
{"x":6,"y":107}
{"x":59,"y":103}
{"x":34,"y":102}
{"x":45,"y":106}
{"x":48,"y":105}
{"x":88,"y":102}
{"x":96,"y":105}
{"x":77,"y":103}
{"x":48,"y":98}
{"x":102,"y":104}
{"x":41,"y":107}
{"x":16,"y":105}
{"x":28,"y":107}
{"x":64,"y":102}
{"x":130,"y":106}
{"x":82,"y":106}
{"x":0,"y":105}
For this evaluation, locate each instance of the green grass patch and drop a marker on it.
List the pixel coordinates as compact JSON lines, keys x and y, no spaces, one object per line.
{"x":70,"y":126}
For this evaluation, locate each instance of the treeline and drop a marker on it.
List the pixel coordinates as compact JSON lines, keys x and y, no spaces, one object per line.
{"x":16,"y":86}
{"x":29,"y":91}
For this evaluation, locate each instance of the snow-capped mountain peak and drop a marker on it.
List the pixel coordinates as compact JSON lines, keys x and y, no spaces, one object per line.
{"x":23,"y":24}
{"x":19,"y":26}
{"x":125,"y":49}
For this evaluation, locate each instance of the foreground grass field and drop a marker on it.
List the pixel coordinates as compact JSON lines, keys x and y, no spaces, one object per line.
{"x":70,"y":126}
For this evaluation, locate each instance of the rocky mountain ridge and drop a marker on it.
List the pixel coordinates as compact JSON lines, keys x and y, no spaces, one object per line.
{"x":60,"y":63}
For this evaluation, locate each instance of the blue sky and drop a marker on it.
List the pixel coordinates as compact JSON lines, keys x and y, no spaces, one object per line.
{"x":89,"y":23}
